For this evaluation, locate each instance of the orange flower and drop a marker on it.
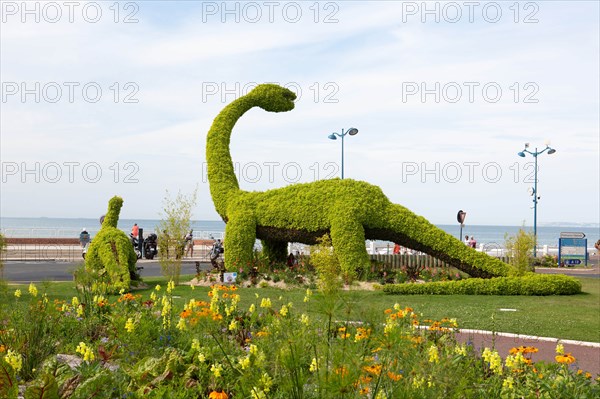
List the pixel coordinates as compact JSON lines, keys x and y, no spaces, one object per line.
{"x":566,"y":358}
{"x":218,"y":394}
{"x":373,"y":369}
{"x":393,"y":376}
{"x":186,"y":313}
{"x":364,"y":391}
{"x":387,"y":311}
{"x":524,"y":350}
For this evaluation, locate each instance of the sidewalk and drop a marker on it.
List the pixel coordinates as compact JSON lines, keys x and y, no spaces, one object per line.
{"x":587,"y":354}
{"x":72,"y":253}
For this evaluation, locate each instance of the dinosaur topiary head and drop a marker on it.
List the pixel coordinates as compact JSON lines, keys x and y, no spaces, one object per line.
{"x":273,"y":98}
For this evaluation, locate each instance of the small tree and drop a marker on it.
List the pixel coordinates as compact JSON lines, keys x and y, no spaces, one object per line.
{"x":174,"y":225}
{"x":327,"y":265}
{"x":520,"y":249}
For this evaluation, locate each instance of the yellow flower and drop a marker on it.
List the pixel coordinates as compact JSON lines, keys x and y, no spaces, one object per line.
{"x":216,"y":369}
{"x":86,"y":351}
{"x":258,"y":394}
{"x":170,"y":286}
{"x":195,"y":344}
{"x":129,"y":325}
{"x":157,"y":288}
{"x":460,"y":350}
{"x":253,"y":349}
{"x":201,"y":357}
{"x":308,"y":295}
{"x":18,"y":293}
{"x":14,"y":359}
{"x":265,"y":303}
{"x":313,"y":365}
{"x":33,"y":289}
{"x":560,"y":349}
{"x":181,"y":326}
{"x":493,"y":359}
{"x":284,"y":310}
{"x":508,"y":383}
{"x":433,"y":354}
{"x":266,"y":381}
{"x":80,"y":310}
{"x":233,"y":325}
{"x":244,"y":362}
{"x":304,"y":319}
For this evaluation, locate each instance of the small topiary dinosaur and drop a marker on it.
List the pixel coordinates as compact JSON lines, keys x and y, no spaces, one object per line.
{"x":350,"y":211}
{"x":110,"y":257}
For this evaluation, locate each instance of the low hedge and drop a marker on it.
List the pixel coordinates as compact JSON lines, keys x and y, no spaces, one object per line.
{"x":530,"y":284}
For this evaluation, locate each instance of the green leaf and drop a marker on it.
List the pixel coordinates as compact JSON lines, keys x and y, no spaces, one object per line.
{"x":46,"y":388}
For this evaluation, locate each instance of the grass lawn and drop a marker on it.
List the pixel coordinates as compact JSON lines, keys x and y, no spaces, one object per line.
{"x":568,"y":317}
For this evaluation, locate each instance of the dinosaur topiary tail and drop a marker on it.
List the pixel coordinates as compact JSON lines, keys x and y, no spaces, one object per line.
{"x":415,"y":232}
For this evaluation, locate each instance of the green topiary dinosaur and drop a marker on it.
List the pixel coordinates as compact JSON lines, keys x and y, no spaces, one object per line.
{"x":350,"y":211}
{"x":110,"y":257}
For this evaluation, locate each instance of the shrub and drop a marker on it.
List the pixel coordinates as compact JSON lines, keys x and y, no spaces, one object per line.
{"x":327,"y":265}
{"x":175,"y":224}
{"x":520,"y":249}
{"x":530,"y":284}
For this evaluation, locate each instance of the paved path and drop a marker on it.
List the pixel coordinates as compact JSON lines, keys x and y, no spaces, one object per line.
{"x":587,"y":354}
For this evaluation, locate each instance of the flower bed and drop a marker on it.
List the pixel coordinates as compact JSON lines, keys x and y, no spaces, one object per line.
{"x":211,"y":347}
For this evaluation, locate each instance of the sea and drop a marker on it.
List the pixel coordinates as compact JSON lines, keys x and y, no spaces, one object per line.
{"x":493,"y":236}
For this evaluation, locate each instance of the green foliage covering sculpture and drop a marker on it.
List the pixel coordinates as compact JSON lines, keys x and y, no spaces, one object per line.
{"x":349,"y":211}
{"x":110,"y":258}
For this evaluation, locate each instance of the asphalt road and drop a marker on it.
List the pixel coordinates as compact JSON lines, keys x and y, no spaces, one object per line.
{"x":26,"y":272}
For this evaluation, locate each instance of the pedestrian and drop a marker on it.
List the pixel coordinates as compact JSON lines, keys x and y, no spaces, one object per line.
{"x":291,"y":260}
{"x":396,"y":249}
{"x":189,"y":239}
{"x":467,"y":241}
{"x":473,"y":242}
{"x":135,"y":230}
{"x":84,"y":238}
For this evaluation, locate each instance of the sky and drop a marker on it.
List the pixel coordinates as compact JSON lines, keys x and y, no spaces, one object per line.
{"x":115,"y":98}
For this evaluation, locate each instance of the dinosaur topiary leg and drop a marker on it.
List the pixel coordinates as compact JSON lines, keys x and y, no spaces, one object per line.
{"x":413,"y":231}
{"x":240,"y":235}
{"x":348,"y":239}
{"x":276,"y":251}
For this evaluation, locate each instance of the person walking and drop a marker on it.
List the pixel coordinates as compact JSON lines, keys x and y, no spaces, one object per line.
{"x":189,"y":240}
{"x":473,"y":242}
{"x":84,"y":238}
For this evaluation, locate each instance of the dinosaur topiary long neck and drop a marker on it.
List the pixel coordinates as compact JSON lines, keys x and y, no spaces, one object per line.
{"x":221,"y":177}
{"x":114,"y":209}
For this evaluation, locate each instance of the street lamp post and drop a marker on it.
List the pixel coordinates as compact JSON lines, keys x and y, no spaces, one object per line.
{"x":333,"y":136}
{"x":535,"y":191}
